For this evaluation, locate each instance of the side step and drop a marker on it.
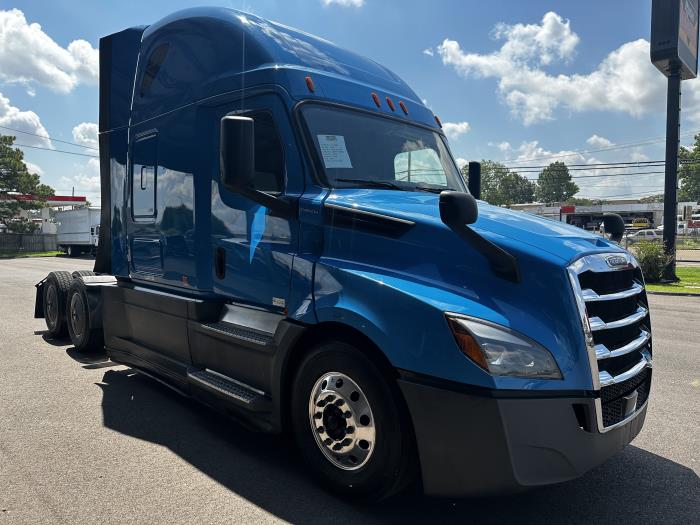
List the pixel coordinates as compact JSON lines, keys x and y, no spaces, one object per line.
{"x":222,"y":386}
{"x":238,"y":332}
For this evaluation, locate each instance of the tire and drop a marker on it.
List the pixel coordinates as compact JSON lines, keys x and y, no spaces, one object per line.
{"x":55,"y":292}
{"x":82,"y":273}
{"x":83,"y":320}
{"x":376,"y":456}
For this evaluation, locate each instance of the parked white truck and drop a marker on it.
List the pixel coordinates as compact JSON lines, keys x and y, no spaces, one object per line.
{"x":77,"y":231}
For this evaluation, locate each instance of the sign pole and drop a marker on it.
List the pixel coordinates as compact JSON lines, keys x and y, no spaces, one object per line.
{"x":673,"y":124}
{"x":674,"y":52}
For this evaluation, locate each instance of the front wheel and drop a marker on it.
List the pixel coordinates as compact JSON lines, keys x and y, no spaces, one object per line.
{"x":351,"y":424}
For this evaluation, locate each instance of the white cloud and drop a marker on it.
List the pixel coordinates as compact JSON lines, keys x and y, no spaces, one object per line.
{"x":85,"y":134}
{"x":29,"y":56}
{"x":344,"y":3}
{"x":28,"y":121}
{"x":624,"y":81}
{"x":598,"y":142}
{"x":86,"y":181}
{"x":503,"y":146}
{"x":454,"y":130}
{"x":34,"y":168}
{"x":461,"y":162}
{"x":429,"y":52}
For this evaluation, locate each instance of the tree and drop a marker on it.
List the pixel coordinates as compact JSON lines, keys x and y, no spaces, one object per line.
{"x":501,"y":186}
{"x":15,"y":178}
{"x":653,"y":198}
{"x":554,"y":183}
{"x":689,"y":172}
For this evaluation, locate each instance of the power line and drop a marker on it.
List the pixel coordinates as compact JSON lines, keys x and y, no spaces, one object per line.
{"x":602,"y":175}
{"x":49,"y":138}
{"x":57,"y":150}
{"x":606,"y":165}
{"x":623,"y":145}
{"x":592,"y":165}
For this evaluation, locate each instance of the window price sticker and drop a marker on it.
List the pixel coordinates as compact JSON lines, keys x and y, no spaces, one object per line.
{"x":333,"y":151}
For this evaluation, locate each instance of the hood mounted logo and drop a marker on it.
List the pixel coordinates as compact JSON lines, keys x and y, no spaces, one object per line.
{"x":616,"y":261}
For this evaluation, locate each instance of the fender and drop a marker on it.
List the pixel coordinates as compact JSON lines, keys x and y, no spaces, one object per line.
{"x":384,"y":307}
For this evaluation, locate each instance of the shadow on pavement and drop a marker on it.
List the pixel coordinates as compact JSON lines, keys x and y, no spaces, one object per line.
{"x":634,"y":487}
{"x":46,"y":336}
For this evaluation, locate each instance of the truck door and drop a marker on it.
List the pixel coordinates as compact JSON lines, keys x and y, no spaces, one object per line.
{"x":144,"y":239}
{"x":253,"y":249}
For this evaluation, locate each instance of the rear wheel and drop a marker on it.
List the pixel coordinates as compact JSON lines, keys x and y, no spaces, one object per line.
{"x":55,"y":292}
{"x":82,"y":273}
{"x":73,"y":251}
{"x":351,"y":424}
{"x":84,"y":325}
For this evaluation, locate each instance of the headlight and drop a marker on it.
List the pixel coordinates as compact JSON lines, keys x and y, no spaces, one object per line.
{"x":501,"y":351}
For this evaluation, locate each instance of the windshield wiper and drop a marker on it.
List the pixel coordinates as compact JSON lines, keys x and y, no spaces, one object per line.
{"x":433,"y":190}
{"x":376,"y":184}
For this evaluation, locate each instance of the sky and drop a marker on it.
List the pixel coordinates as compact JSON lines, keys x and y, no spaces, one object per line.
{"x":525,"y":83}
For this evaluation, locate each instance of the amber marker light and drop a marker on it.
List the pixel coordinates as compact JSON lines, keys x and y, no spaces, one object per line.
{"x":310,"y":84}
{"x":467,"y":344}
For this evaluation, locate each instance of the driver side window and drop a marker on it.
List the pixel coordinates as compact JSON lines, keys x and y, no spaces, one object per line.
{"x":269,"y":157}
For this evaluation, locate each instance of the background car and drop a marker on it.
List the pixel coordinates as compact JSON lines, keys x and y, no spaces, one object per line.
{"x":643,"y":235}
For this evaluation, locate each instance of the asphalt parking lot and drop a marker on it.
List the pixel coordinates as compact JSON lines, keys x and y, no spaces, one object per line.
{"x":84,"y":441}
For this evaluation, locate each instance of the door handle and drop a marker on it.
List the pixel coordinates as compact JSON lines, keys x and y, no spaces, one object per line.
{"x":220,"y":263}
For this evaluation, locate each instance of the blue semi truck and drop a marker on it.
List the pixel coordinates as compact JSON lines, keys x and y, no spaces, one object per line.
{"x":286,"y":237}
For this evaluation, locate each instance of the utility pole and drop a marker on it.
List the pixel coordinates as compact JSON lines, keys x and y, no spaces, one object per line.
{"x":673,"y":125}
{"x":674,"y":52}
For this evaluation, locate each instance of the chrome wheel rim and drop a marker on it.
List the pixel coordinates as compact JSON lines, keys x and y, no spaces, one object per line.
{"x":341,"y":421}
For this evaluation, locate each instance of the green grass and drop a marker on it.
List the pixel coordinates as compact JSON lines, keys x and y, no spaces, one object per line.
{"x":30,"y":254}
{"x":688,"y":244}
{"x":689,"y":282}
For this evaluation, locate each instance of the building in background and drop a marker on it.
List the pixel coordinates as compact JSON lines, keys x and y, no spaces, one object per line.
{"x":635,"y":214}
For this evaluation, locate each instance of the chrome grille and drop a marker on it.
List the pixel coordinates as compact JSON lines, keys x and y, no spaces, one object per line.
{"x":612,"y":302}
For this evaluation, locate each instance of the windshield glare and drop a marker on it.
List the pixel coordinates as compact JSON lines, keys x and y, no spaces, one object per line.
{"x":357,"y":149}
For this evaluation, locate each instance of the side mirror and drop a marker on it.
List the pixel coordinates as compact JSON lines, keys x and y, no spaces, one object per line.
{"x":237,"y":161}
{"x":237,"y":150}
{"x":458,"y":209}
{"x":614,"y":226}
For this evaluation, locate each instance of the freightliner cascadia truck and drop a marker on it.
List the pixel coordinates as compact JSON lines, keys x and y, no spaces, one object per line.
{"x":286,"y":237}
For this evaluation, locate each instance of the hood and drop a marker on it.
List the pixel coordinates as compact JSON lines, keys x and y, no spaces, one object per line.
{"x":426,"y":263}
{"x":533,"y":233}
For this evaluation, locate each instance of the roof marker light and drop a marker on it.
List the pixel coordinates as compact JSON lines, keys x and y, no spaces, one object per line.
{"x":391,"y":104}
{"x":403,"y":107}
{"x":375,"y":97}
{"x":438,"y":121}
{"x":310,"y":84}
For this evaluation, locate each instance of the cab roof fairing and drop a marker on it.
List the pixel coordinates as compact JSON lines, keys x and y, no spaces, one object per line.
{"x":202,"y":39}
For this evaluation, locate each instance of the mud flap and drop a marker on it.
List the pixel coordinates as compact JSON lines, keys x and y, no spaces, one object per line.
{"x":39,"y":300}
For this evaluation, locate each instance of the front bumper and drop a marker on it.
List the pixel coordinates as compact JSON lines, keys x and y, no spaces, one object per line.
{"x":474,"y":443}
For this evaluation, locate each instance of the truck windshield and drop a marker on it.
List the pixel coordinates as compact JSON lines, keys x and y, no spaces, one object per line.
{"x":357,"y":149}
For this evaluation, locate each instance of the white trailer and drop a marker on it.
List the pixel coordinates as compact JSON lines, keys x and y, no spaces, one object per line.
{"x":78,"y":230}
